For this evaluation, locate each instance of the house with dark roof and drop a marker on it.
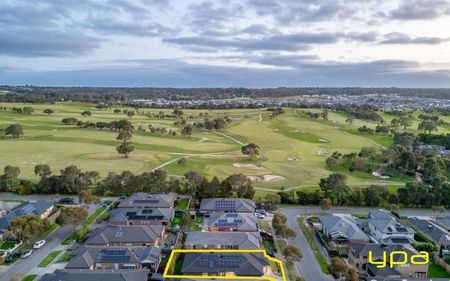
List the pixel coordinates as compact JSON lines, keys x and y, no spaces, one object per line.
{"x":226,"y":264}
{"x":148,"y":200}
{"x":342,"y":229}
{"x":384,"y":228}
{"x":99,"y":258}
{"x":43,"y":209}
{"x":227,"y":205}
{"x":244,"y":222}
{"x":90,"y":275}
{"x":222,"y":240}
{"x":141,"y":216}
{"x":358,"y":258}
{"x":444,"y":222}
{"x":439,"y":234}
{"x":138,"y":235}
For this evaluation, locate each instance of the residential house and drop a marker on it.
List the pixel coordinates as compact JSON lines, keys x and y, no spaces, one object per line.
{"x":90,"y":275}
{"x":148,"y":200}
{"x":244,"y":222}
{"x":384,"y":228}
{"x":226,"y":264}
{"x":141,"y":216}
{"x":227,"y":205}
{"x":43,"y":209}
{"x":436,"y":232}
{"x":129,"y":236}
{"x":342,"y":229}
{"x":358,"y":258}
{"x":96,"y":258}
{"x":222,"y":240}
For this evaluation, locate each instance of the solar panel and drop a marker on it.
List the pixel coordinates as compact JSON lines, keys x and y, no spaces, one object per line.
{"x":145,"y":201}
{"x":112,"y":252}
{"x":118,"y":234}
{"x":402,"y":229}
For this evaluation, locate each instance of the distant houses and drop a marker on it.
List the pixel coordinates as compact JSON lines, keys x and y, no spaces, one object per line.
{"x":91,"y":275}
{"x":42,"y":209}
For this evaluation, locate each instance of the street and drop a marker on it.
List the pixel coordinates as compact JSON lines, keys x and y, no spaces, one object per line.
{"x":23,"y":267}
{"x":308,"y":267}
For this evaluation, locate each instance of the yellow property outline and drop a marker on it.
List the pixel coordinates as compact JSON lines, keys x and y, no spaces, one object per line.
{"x":176,"y":251}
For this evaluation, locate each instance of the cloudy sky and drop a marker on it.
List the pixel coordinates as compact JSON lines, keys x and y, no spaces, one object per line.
{"x":225,"y":43}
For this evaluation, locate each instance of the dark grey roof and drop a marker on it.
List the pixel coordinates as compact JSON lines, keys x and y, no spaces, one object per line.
{"x":380,"y":214}
{"x":444,"y":222}
{"x":86,"y":257}
{"x":362,"y":249}
{"x":389,"y":225}
{"x":243,"y":264}
{"x":90,"y":275}
{"x":122,"y":216}
{"x":237,"y":221}
{"x":148,"y":200}
{"x":242,"y":240}
{"x":385,"y":271}
{"x":345,"y":225}
{"x":146,"y":234}
{"x":29,"y":208}
{"x":240,"y":205}
{"x":437,"y":233}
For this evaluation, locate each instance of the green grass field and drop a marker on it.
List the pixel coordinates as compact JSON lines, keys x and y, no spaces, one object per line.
{"x":291,"y":145}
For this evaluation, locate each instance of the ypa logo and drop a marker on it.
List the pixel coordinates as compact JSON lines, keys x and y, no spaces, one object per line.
{"x":399,"y":258}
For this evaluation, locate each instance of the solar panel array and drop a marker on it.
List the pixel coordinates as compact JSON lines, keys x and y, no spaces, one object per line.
{"x":212,"y":261}
{"x":228,"y":222}
{"x":112,"y":258}
{"x":145,"y":201}
{"x":118,"y":234}
{"x":225,"y":205}
{"x":112,"y":252}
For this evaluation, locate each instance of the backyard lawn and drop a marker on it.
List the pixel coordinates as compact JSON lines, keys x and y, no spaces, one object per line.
{"x":436,"y":271}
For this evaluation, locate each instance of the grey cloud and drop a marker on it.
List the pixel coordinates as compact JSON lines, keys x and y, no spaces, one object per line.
{"x":174,"y":73}
{"x":401,"y":38}
{"x":38,"y":43}
{"x":210,"y":16}
{"x":420,"y":10}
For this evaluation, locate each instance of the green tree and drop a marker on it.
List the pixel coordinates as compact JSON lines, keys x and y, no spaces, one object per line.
{"x":48,"y":111}
{"x":427,"y":126}
{"x":86,"y":113}
{"x":125,"y":148}
{"x":250,"y":150}
{"x":26,"y":228}
{"x":42,"y":170}
{"x":87,"y":197}
{"x":14,"y":130}
{"x":405,"y":121}
{"x":10,"y":178}
{"x":186,"y":131}
{"x":292,"y":253}
{"x":73,"y":216}
{"x":335,"y":187}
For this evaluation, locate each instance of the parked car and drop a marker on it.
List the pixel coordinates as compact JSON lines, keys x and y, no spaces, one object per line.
{"x":259,"y":216}
{"x":39,"y":244}
{"x":11,"y":257}
{"x":26,"y":254}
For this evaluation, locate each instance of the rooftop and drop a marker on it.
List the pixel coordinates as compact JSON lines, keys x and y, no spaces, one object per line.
{"x":243,"y":240}
{"x":240,"y":205}
{"x":88,"y":275}
{"x":237,"y":221}
{"x":148,"y":200}
{"x":145,"y":234}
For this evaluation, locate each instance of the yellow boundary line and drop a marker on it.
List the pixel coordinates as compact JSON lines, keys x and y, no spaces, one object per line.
{"x":176,"y":251}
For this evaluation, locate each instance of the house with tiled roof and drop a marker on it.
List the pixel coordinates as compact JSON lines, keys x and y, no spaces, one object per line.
{"x":243,"y":222}
{"x":358,"y":258}
{"x":439,"y":234}
{"x":384,"y":228}
{"x":90,"y":275}
{"x":222,"y":240}
{"x":148,"y":200}
{"x":141,"y":216}
{"x":227,"y":205}
{"x":342,"y":229}
{"x":42,"y":209}
{"x":101,"y":258}
{"x":137,"y":235}
{"x":226,"y":264}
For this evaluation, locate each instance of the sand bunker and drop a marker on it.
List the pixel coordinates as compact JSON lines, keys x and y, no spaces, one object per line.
{"x":295,"y":158}
{"x":266,"y":178}
{"x":323,"y":140}
{"x":248,"y":166}
{"x":322,"y":152}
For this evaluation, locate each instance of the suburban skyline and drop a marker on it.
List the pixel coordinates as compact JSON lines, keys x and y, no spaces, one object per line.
{"x":251,"y":43}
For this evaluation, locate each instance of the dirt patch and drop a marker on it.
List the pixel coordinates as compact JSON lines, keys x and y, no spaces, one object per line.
{"x":322,"y":152}
{"x":248,"y":166}
{"x":295,"y":158}
{"x":266,"y":178}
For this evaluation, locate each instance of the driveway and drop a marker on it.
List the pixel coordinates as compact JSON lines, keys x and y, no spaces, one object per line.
{"x":23,"y":267}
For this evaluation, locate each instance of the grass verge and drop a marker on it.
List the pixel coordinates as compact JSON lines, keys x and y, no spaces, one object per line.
{"x":48,"y":259}
{"x":65,"y":257}
{"x":320,"y":259}
{"x":30,"y":277}
{"x":436,"y":271}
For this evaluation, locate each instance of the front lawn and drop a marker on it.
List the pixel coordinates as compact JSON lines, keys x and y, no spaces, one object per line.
{"x":436,"y":271}
{"x":182,"y":204}
{"x":45,"y":262}
{"x":7,"y":245}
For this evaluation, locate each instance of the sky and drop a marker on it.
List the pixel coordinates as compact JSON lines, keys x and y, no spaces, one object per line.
{"x":225,"y":43}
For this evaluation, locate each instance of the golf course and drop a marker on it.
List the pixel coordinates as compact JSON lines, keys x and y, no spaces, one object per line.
{"x":293,"y":147}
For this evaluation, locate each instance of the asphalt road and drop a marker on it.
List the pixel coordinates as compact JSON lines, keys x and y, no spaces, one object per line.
{"x":22,"y":267}
{"x":308,"y":267}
